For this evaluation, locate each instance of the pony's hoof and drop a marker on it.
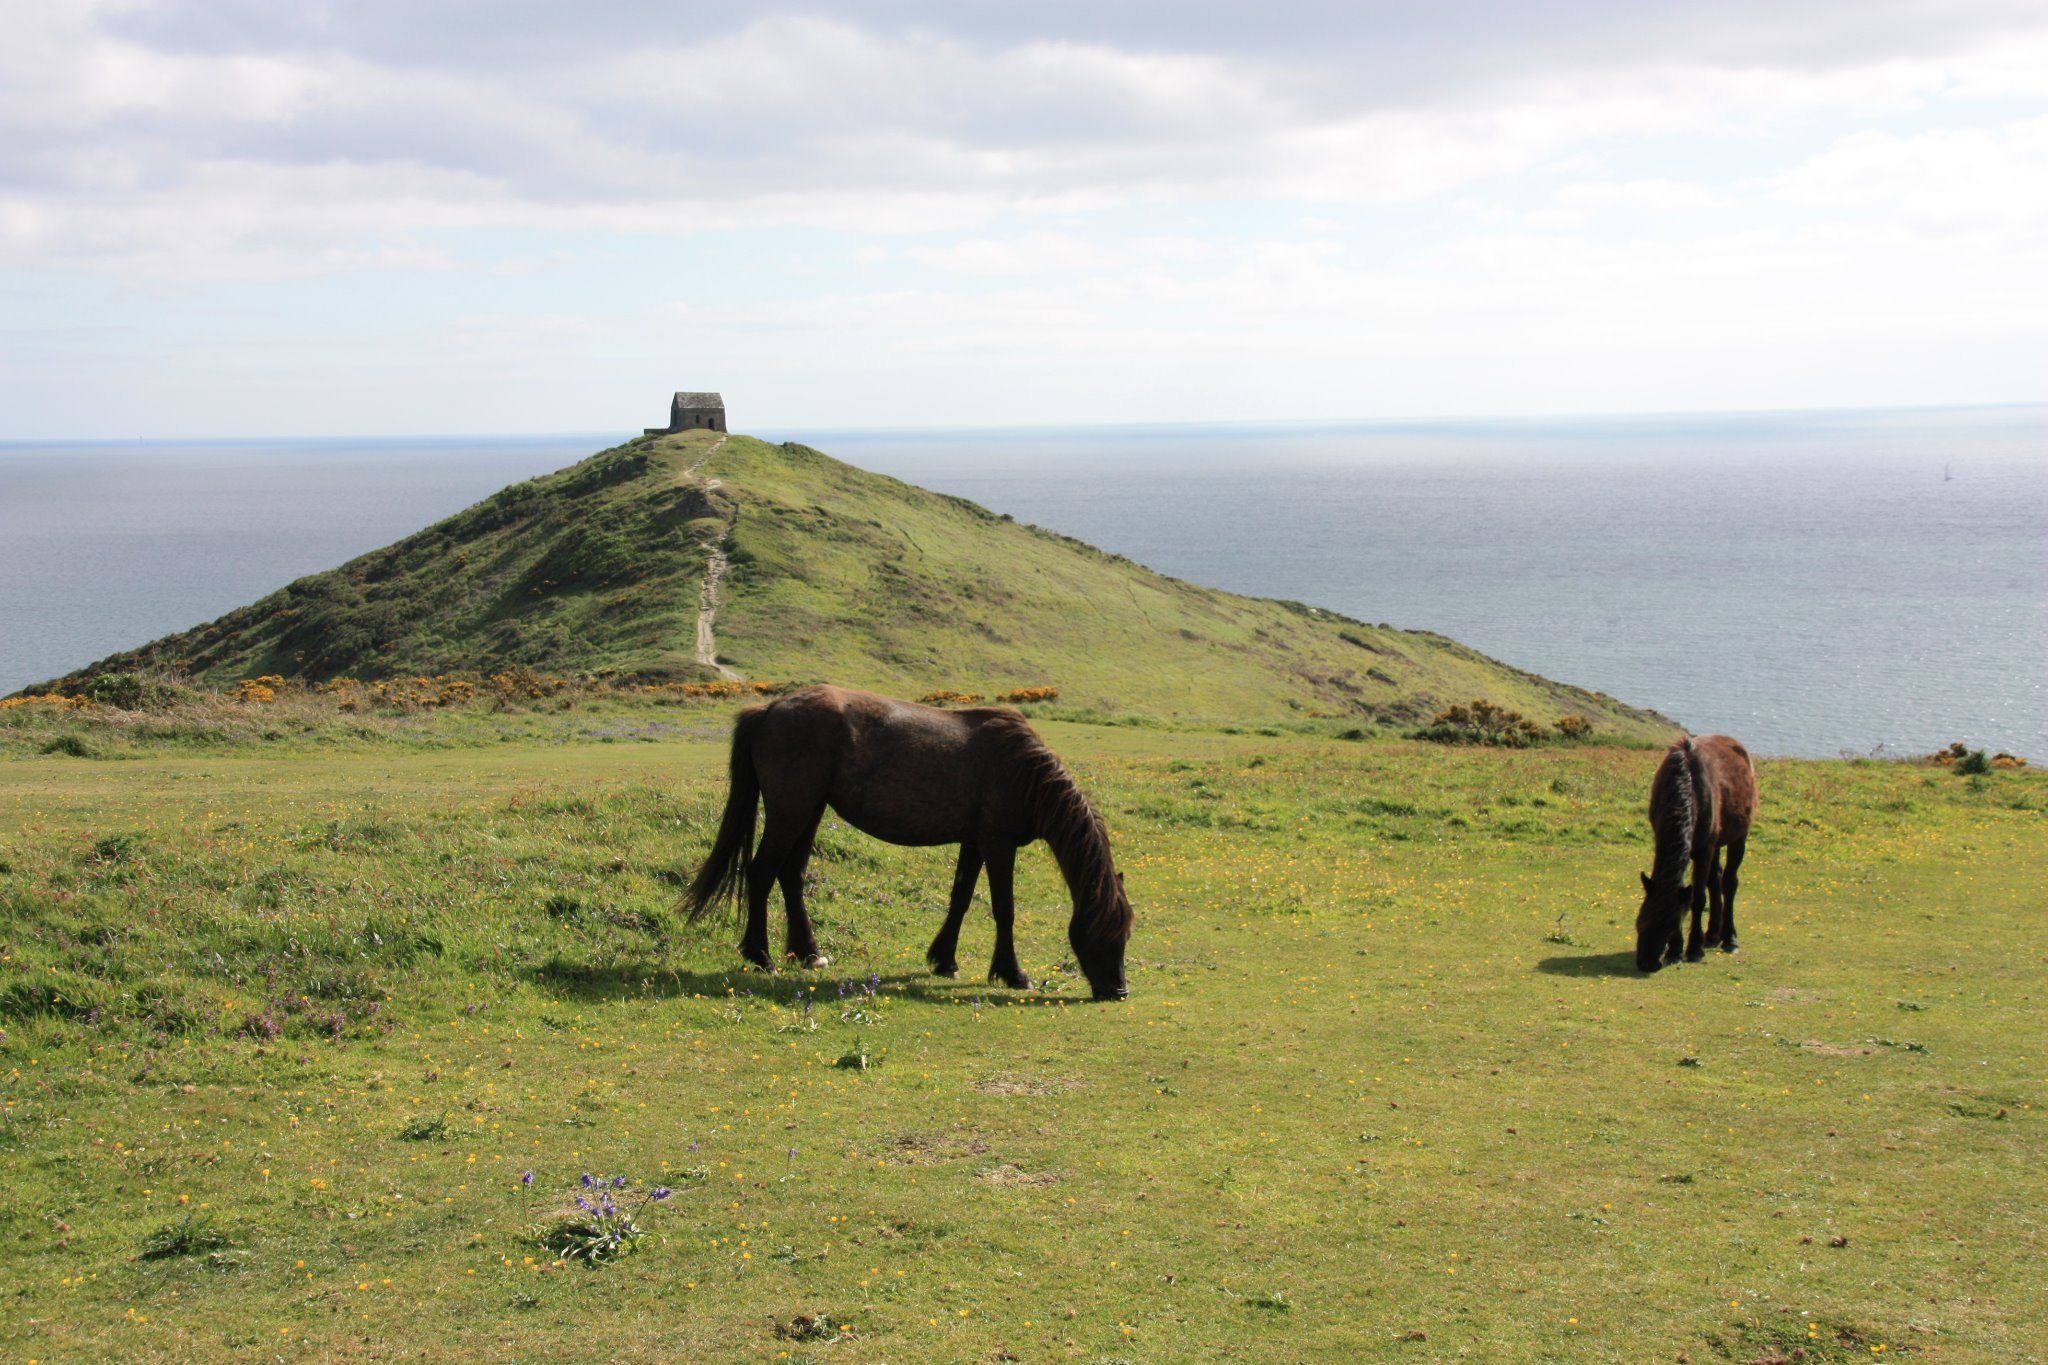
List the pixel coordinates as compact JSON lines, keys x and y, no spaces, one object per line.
{"x":946,"y":969}
{"x":1019,"y":982}
{"x":1695,"y":954}
{"x":813,"y":961}
{"x":1729,"y":945}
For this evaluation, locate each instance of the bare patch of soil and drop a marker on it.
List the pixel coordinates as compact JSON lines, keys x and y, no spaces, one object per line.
{"x":1838,"y":1049}
{"x":1017,"y":1083}
{"x":1015,"y":1177}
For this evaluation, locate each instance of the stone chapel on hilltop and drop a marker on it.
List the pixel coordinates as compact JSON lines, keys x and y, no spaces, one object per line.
{"x":693,"y":412}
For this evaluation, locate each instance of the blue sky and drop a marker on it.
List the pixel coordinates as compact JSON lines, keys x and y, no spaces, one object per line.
{"x":248,"y":217}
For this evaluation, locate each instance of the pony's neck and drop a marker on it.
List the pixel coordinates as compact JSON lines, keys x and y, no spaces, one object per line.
{"x":1072,"y":831}
{"x":1675,"y":831}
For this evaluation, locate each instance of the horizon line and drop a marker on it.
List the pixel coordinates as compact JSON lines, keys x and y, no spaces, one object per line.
{"x":1170,"y":424}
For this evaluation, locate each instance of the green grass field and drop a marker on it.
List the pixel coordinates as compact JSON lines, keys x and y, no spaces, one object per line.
{"x":1387,"y":1086}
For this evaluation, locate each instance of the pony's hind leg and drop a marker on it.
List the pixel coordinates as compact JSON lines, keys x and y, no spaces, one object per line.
{"x":1728,"y":884}
{"x":1002,"y":867}
{"x":761,"y":870}
{"x":783,"y":839}
{"x":800,"y":943}
{"x":944,"y":952}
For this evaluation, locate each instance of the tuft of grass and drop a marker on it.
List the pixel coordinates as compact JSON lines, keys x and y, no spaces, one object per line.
{"x":424,"y":1128}
{"x":589,"y":1239}
{"x":188,"y":1235}
{"x":858,"y":1058}
{"x":110,"y":849}
{"x":814,"y":1327}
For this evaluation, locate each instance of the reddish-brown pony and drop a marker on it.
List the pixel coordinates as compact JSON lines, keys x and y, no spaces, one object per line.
{"x":1702,"y":800}
{"x":914,"y":775}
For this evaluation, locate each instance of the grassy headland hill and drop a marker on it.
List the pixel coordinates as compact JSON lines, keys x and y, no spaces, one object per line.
{"x":820,"y":570}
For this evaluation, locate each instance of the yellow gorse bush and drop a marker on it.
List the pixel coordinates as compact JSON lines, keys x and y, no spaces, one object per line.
{"x":708,"y":690}
{"x":51,"y":700}
{"x":947,"y":697}
{"x":263,"y":689}
{"x":511,"y":686}
{"x":1957,"y":752}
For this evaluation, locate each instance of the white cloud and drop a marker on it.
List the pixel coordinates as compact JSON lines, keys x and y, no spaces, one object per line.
{"x":1947,"y":181}
{"x":1071,"y":191}
{"x":1582,"y":201}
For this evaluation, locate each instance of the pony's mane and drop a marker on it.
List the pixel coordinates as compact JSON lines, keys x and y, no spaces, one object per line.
{"x":1675,"y":795}
{"x":1062,"y":815}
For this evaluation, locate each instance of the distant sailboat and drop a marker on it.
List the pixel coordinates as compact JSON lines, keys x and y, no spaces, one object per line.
{"x":1947,"y":477}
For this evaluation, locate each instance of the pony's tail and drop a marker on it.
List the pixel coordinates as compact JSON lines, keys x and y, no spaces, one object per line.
{"x":725,"y":869}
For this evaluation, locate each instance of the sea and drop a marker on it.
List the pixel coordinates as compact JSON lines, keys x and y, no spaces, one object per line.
{"x":1815,"y":583}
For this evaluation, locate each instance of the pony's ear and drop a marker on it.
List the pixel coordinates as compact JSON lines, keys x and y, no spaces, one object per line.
{"x":1119,"y":880}
{"x":1646,"y":880}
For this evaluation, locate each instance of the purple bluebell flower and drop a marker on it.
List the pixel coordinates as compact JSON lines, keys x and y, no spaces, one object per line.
{"x":659,"y":1193}
{"x":583,"y":1203}
{"x":587,"y":1181}
{"x":618,"y":1182}
{"x":526,"y":1179}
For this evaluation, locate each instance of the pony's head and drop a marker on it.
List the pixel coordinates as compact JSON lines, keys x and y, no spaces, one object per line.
{"x":1657,"y":923}
{"x":1098,"y":942}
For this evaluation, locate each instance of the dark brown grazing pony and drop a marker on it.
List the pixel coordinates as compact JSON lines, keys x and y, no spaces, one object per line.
{"x":1702,"y":800}
{"x":912,"y":775}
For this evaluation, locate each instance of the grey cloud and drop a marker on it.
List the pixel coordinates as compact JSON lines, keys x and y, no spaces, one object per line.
{"x":1420,"y":42}
{"x":550,"y":107}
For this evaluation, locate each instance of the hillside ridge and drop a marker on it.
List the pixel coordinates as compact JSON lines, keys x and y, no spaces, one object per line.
{"x":699,"y":554}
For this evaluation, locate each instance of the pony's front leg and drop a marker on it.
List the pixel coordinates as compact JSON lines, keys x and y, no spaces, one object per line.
{"x":944,"y":952}
{"x":1002,"y":868}
{"x":1717,"y":901}
{"x":1729,"y":881}
{"x":1702,"y":868}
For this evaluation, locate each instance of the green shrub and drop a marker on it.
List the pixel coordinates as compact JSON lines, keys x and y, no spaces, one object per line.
{"x":130,"y":691}
{"x":1481,"y":722}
